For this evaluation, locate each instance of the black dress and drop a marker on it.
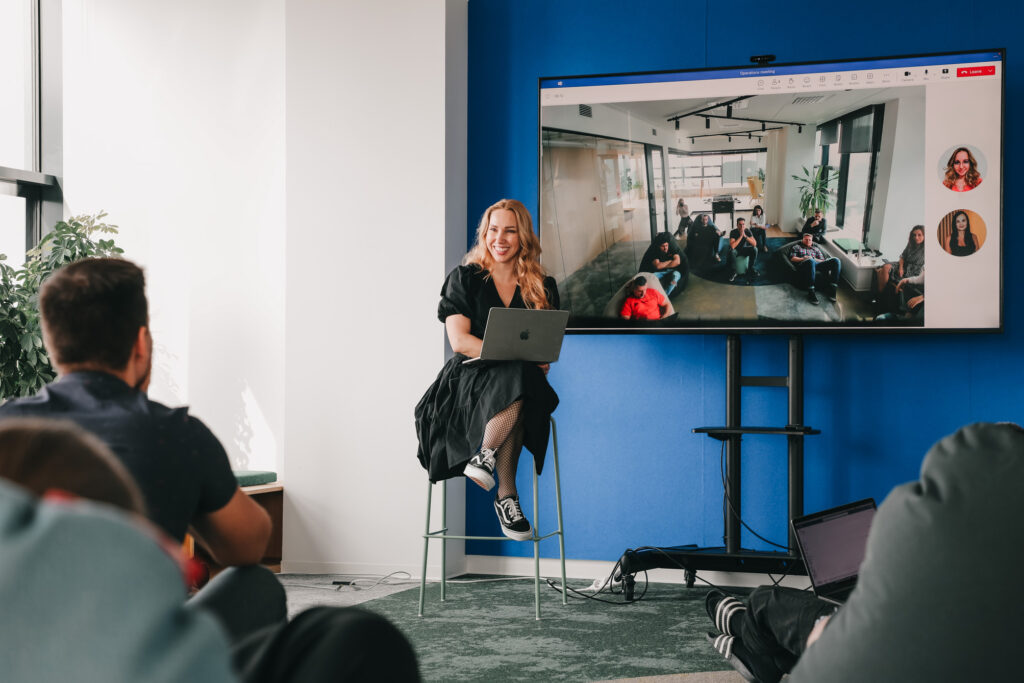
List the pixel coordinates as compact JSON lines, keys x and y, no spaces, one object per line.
{"x":968,"y":248}
{"x":451,"y":416}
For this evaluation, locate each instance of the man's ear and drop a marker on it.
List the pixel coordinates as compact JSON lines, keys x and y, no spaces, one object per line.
{"x":141,"y":349}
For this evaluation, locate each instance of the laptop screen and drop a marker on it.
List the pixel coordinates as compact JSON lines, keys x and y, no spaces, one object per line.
{"x":833,"y":542}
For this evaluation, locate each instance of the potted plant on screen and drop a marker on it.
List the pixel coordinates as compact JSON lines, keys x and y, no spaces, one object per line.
{"x":24,"y":365}
{"x":814,"y":189}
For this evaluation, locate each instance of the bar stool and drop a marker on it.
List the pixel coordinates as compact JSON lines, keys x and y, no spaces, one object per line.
{"x":443,"y":534}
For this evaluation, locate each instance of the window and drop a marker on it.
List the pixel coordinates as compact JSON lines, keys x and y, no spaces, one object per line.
{"x":705,"y":174}
{"x":30,"y":196}
{"x":850,"y":145}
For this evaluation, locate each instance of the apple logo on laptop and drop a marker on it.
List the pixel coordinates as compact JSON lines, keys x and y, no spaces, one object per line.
{"x":525,"y":334}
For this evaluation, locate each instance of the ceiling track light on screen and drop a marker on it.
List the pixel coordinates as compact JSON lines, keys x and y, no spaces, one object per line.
{"x":879,"y":144}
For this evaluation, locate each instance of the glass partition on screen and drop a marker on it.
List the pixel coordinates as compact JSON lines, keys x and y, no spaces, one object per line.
{"x":677,"y":201}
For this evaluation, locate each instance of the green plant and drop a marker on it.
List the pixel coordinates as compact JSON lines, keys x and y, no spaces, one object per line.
{"x":24,"y":365}
{"x":814,"y":189}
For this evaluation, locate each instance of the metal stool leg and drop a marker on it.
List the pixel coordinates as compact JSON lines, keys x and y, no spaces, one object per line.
{"x":536,"y":547}
{"x":444,"y":538}
{"x":426,"y":547}
{"x":558,"y":508}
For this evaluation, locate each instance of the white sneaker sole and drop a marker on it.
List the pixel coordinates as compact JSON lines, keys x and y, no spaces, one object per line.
{"x":517,"y":535}
{"x":480,"y":477}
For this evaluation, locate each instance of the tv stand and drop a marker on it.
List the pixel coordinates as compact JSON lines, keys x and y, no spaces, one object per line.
{"x":732,"y":558}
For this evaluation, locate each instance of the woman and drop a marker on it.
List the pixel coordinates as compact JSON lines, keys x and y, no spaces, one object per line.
{"x":474,"y":420}
{"x":962,"y":171}
{"x":910,"y":265}
{"x":961,"y":241}
{"x":683,"y":211}
{"x":757,"y":228}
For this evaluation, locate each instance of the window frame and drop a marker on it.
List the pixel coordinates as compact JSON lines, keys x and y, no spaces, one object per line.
{"x":40,"y":185}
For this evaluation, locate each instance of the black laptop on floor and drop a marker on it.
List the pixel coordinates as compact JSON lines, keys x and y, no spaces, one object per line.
{"x":832,"y":543}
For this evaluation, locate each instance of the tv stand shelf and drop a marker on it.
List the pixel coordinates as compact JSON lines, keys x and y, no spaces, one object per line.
{"x":723,"y":433}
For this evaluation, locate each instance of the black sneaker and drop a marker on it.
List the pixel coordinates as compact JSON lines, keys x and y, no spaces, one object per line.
{"x":831,"y":294}
{"x":721,"y":608}
{"x":513,"y":524}
{"x":732,"y":278}
{"x":812,"y":297}
{"x":480,"y":468}
{"x":752,"y":667}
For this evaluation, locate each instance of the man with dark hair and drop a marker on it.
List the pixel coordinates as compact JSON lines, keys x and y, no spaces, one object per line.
{"x":809,"y":261}
{"x":667,"y":262}
{"x":742,"y":243}
{"x":816,"y":226}
{"x":96,"y":328}
{"x":642,"y":302}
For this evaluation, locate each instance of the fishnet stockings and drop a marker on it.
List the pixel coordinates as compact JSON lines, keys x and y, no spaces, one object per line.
{"x":504,"y":433}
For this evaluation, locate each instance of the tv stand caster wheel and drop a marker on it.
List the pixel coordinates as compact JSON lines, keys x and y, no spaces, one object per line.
{"x":628,"y":587}
{"x":689,"y":575}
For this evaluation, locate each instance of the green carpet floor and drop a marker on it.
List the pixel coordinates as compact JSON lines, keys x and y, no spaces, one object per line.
{"x":487,"y":632}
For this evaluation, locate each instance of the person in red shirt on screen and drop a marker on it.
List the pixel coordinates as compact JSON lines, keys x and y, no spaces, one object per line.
{"x":642,"y":302}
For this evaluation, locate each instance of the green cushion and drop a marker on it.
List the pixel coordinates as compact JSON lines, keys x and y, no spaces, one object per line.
{"x":847,"y":244}
{"x":254,"y":477}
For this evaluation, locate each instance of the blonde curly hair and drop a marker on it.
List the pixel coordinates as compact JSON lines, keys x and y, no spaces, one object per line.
{"x":528,"y":270}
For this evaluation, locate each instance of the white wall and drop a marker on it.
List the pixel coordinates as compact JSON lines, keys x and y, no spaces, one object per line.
{"x":293,"y":265}
{"x":366,"y":214}
{"x":174,"y":124}
{"x":789,"y":152}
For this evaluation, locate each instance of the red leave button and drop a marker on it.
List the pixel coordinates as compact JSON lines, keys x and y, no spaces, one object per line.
{"x":976,"y":71}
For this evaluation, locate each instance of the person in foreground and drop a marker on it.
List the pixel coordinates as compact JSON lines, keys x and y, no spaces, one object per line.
{"x":934,"y":600}
{"x":93,"y":592}
{"x":95,"y":321}
{"x":642,"y":302}
{"x":809,"y":261}
{"x":475,"y":420}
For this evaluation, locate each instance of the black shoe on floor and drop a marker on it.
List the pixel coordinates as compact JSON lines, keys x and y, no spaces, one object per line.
{"x":812,"y":297}
{"x":721,"y":608}
{"x":480,"y":468}
{"x":831,"y":295}
{"x":513,"y":523}
{"x":751,"y":667}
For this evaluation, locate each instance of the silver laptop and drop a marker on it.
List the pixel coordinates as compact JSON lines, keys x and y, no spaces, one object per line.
{"x":528,"y":334}
{"x":833,"y":543}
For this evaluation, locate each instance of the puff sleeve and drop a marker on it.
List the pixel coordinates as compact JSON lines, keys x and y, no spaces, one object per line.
{"x":456,"y":294}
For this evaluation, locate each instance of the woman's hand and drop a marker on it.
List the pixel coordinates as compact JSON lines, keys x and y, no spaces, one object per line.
{"x":544,"y":367}
{"x":899,"y":285}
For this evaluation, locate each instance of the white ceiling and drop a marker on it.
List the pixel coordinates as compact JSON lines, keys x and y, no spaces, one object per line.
{"x":809,"y":108}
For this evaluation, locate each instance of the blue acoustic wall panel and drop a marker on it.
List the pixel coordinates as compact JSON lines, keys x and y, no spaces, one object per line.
{"x":633,"y":474}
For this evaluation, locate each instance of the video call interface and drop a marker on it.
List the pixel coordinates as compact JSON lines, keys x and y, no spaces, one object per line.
{"x":850,"y":195}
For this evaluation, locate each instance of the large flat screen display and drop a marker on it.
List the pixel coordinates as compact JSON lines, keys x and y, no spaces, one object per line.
{"x":854,"y":195}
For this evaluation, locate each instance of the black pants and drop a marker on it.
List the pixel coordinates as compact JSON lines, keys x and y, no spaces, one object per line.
{"x":777,"y":622}
{"x":244,"y":600}
{"x":761,"y":237}
{"x":742,"y":250}
{"x":327,"y":644}
{"x":320,"y":644}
